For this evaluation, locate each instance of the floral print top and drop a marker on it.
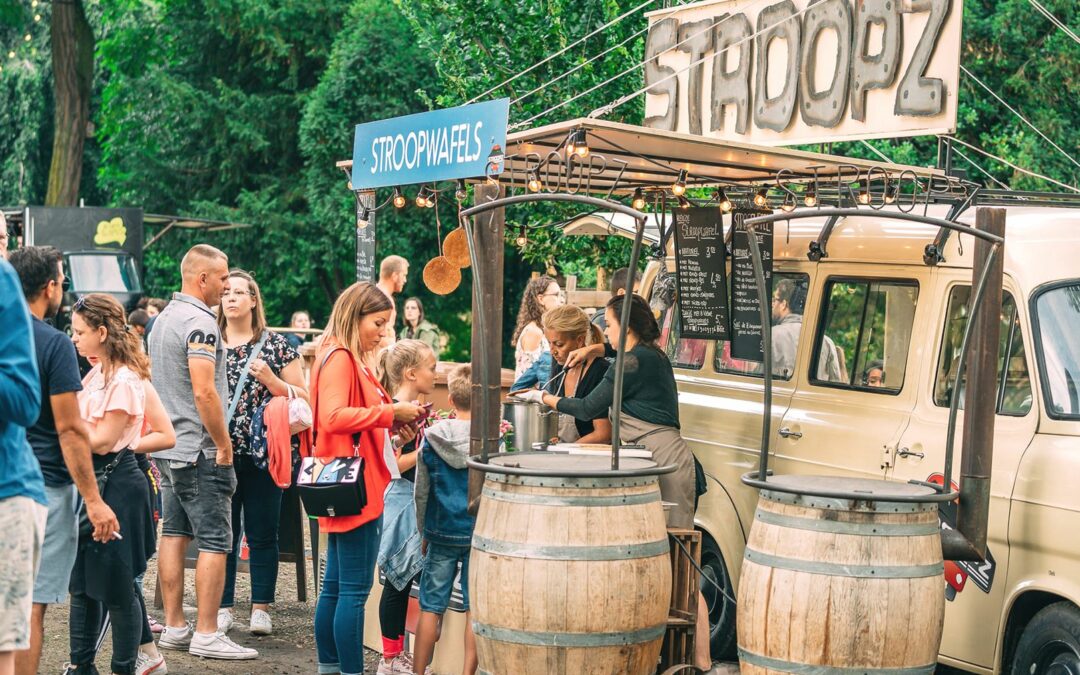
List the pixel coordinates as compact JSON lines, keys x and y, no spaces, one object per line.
{"x":277,"y":353}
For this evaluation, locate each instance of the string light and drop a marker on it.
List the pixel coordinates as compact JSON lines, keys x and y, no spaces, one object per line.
{"x":724,"y":202}
{"x":522,"y":238}
{"x":432,"y":199}
{"x":462,"y":192}
{"x":534,"y":181}
{"x":399,"y":199}
{"x":789,"y":203}
{"x":684,"y":203}
{"x":422,"y":198}
{"x":678,"y":188}
{"x":577,"y":143}
{"x":890,"y":194}
{"x":365,"y":218}
{"x":639,"y":199}
{"x":11,"y":54}
{"x":761,"y":197}
{"x":37,"y":17}
{"x":28,"y":37}
{"x":810,"y":199}
{"x":864,"y":193}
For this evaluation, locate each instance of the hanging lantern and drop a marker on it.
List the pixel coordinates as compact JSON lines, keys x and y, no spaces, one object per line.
{"x":456,"y":248}
{"x":441,"y":276}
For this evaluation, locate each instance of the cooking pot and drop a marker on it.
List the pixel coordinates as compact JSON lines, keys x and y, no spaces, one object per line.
{"x":533,"y":423}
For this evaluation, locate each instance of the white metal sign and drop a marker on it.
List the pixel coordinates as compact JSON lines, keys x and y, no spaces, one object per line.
{"x":799,"y":71}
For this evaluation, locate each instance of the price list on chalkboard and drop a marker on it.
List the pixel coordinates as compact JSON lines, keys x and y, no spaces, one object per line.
{"x":746,"y":328}
{"x":699,"y":263}
{"x":365,"y":239}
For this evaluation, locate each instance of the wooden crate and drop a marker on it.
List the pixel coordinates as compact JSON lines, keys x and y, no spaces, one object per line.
{"x":682,"y":613}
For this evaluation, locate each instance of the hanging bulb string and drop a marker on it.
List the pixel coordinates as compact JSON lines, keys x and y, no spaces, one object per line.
{"x":438,"y":223}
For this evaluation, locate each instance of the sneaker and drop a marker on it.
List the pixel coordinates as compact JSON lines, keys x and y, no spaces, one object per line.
{"x":224,"y":620}
{"x":155,"y":626}
{"x":219,"y":646}
{"x":88,"y":669}
{"x":260,"y":623}
{"x":395,"y":666}
{"x":175,"y":638}
{"x":146,"y":664}
{"x":407,"y":658}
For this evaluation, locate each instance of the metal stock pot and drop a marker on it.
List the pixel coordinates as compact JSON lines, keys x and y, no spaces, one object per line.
{"x":533,"y":423}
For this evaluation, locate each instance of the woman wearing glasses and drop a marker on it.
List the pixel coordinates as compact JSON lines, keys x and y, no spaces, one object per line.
{"x":531,"y":348}
{"x":260,"y":364}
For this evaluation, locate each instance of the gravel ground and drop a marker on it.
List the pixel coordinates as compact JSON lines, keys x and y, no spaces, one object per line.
{"x":291,"y":649}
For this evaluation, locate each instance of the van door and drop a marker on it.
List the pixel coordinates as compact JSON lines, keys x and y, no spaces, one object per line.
{"x":855,"y":392}
{"x":975,"y":599}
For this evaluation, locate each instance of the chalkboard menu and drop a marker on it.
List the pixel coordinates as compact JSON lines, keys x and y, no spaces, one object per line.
{"x":365,"y":239}
{"x":699,"y":263}
{"x":746,"y":328}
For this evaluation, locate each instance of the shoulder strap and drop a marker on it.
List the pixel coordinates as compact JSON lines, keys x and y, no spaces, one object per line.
{"x":315,"y":398}
{"x":244,"y":376}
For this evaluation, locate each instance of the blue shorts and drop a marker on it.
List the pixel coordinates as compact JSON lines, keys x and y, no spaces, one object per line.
{"x":60,"y":546}
{"x":437,"y":581}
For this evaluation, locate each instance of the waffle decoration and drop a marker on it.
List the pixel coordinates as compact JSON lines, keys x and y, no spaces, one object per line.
{"x":442,"y":276}
{"x":456,"y":248}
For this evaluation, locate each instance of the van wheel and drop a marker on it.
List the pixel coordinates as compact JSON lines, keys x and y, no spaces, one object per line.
{"x":1050,"y":643}
{"x":721,"y":607}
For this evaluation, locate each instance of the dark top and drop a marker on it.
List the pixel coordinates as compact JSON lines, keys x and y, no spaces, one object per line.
{"x":294,"y":340}
{"x":277,"y":353}
{"x":409,"y":475}
{"x":649,"y":392}
{"x":590,"y":379}
{"x":58,"y":370}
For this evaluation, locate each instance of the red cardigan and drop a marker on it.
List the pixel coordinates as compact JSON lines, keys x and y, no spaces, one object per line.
{"x":345,"y":405}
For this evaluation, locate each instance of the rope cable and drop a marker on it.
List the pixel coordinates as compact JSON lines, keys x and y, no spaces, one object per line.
{"x":1054,"y":20}
{"x":1006,"y":162}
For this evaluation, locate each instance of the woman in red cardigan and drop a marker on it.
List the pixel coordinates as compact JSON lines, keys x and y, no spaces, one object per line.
{"x":352,"y":406}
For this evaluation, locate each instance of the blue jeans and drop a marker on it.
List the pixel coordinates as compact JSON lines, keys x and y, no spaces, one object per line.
{"x":339,"y":614}
{"x":440,"y":571}
{"x":259,"y":499}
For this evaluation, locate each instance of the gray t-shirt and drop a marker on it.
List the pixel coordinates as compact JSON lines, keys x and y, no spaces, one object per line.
{"x":186,"y":329}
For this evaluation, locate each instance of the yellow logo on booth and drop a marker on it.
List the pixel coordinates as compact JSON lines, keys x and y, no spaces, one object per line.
{"x":111,"y":231}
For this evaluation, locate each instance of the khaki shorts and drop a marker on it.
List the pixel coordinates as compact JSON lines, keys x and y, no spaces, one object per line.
{"x":22,"y":520}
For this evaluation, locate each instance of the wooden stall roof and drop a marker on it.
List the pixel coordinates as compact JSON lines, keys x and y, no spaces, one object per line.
{"x":654,"y":158}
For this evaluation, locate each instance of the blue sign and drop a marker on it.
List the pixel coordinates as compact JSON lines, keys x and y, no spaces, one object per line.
{"x":426,"y":147}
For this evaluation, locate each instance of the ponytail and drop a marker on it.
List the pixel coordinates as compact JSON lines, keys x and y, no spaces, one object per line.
{"x":398,"y":358}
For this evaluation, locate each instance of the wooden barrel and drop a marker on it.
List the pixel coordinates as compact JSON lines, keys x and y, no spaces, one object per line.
{"x":832,"y":585}
{"x":569,"y":575}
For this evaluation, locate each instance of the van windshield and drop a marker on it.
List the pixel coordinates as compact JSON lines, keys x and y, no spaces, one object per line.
{"x":1058,"y":314}
{"x":105,"y":273}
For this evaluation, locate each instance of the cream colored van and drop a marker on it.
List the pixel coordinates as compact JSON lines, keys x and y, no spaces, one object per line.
{"x":866,"y":343}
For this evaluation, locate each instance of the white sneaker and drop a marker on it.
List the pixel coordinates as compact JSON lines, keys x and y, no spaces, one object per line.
{"x":147,"y":665}
{"x":224,"y":620}
{"x":260,"y":623}
{"x":219,"y":646}
{"x":399,"y":665}
{"x":175,"y":638}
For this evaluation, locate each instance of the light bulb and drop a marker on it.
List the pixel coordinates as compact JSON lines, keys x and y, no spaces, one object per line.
{"x":522,"y":238}
{"x":639,"y":199}
{"x":810,"y":199}
{"x":462,"y":192}
{"x":27,"y":37}
{"x":399,"y":199}
{"x":724,"y":203}
{"x":678,"y":188}
{"x":365,"y":218}
{"x":864,"y":196}
{"x":37,"y":17}
{"x":421,"y":198}
{"x":890,"y":195}
{"x":789,"y":204}
{"x":432,"y":199}
{"x":534,"y":182}
{"x":761,"y":197}
{"x":684,"y":203}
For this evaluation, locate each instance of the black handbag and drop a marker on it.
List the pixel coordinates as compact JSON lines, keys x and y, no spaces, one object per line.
{"x":332,"y":487}
{"x":86,"y":528}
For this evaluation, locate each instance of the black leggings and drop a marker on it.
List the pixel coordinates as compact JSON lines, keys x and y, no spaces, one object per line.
{"x":129,"y":630}
{"x":393,"y":606}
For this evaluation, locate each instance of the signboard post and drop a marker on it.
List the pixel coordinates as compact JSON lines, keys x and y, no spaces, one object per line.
{"x":804,"y":71}
{"x":365,"y":236}
{"x":699,"y":262}
{"x":746,"y":328}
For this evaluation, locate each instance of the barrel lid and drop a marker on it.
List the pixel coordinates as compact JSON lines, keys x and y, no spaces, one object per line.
{"x":552,"y":464}
{"x":846,"y":488}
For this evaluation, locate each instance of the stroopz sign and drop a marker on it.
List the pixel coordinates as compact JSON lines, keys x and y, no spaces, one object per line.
{"x":780,"y":73}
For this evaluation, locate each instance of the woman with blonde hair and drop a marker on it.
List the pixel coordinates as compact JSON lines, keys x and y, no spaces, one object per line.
{"x":568,"y":328}
{"x":353,"y":414}
{"x":123,"y":416}
{"x":260,"y":364}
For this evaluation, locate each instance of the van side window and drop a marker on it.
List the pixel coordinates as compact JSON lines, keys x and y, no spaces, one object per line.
{"x":684,"y":352}
{"x":1013,"y":382}
{"x":864,"y":335}
{"x":788,"y":305}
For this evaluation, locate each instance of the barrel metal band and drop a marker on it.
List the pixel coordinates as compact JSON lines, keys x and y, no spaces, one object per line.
{"x":549,"y":639}
{"x":572,"y":482}
{"x":834,"y":504}
{"x":578,"y":500}
{"x":838,"y":527}
{"x":619,"y":552}
{"x":811,"y":669}
{"x":841,"y":570}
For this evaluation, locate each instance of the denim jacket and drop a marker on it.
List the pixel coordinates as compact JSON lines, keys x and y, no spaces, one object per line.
{"x":442,"y":485}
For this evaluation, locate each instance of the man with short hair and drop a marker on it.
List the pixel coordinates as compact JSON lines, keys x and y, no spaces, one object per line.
{"x":197,"y":478}
{"x":618,"y":287}
{"x":60,"y":442}
{"x":393,"y":271}
{"x":23,"y":506}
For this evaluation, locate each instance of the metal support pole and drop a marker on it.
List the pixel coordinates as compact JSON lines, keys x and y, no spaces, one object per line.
{"x":968,"y":541}
{"x":485,"y":234}
{"x":620,"y":355}
{"x":764,"y":304}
